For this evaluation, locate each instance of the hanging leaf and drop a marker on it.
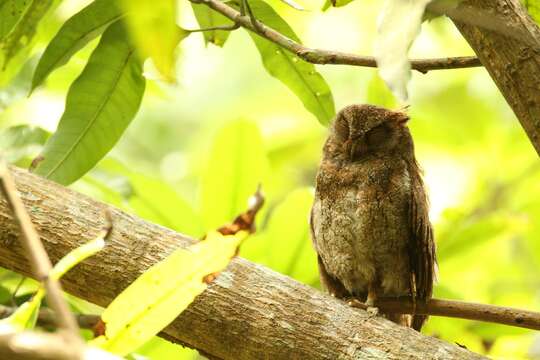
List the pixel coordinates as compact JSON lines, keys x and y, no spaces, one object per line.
{"x":237,"y":165}
{"x":100,"y":105}
{"x":76,"y":32}
{"x":399,"y":24}
{"x":207,"y":18}
{"x":163,"y":291}
{"x":152,"y":26}
{"x":298,"y":75}
{"x":23,"y":32}
{"x":10,"y":13}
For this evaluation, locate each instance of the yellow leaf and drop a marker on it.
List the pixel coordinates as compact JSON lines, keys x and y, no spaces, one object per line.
{"x":160,"y":294}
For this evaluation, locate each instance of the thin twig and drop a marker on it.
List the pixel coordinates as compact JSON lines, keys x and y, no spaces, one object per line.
{"x":48,"y":319}
{"x":319,"y":56}
{"x":36,"y":254}
{"x":458,"y":309}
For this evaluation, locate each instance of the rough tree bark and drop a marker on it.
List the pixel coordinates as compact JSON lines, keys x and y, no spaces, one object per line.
{"x":514,"y":65}
{"x":249,"y":312}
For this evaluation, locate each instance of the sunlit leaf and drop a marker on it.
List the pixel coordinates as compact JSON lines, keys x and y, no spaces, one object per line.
{"x":158,"y":348}
{"x":155,"y":200}
{"x":399,"y":24}
{"x":533,"y":7}
{"x":339,"y":3}
{"x":24,"y":30}
{"x":26,"y":315}
{"x":76,"y":32}
{"x":207,"y":18}
{"x":162,"y":292}
{"x":21,"y":141}
{"x":298,"y":75}
{"x":100,"y":105}
{"x":152,"y":26}
{"x":378,"y":93}
{"x":237,"y":165}
{"x":10,"y":12}
{"x":285,"y":243}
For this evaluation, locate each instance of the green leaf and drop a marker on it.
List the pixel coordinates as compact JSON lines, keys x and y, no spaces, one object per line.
{"x":76,"y":32}
{"x":100,"y":104}
{"x":285,"y":243}
{"x":162,"y":292}
{"x":237,"y":165}
{"x":533,"y":7}
{"x":207,"y":18}
{"x":339,"y":3}
{"x":10,"y":12}
{"x":152,"y":26}
{"x":24,"y":30}
{"x":379,"y":94}
{"x":298,"y":75}
{"x":155,"y":200}
{"x":20,"y":141}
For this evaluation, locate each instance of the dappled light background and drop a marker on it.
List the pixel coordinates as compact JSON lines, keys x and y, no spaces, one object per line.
{"x":198,"y":149}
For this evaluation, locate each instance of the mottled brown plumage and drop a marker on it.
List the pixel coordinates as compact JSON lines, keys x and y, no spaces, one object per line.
{"x":369,"y":220}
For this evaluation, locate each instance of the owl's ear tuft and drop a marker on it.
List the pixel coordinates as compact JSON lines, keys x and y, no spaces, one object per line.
{"x":400,"y":118}
{"x":341,"y":128}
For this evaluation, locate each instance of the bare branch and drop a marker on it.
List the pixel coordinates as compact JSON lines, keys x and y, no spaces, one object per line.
{"x":323,"y":57}
{"x":36,"y":254}
{"x":458,"y":309}
{"x":48,"y":319}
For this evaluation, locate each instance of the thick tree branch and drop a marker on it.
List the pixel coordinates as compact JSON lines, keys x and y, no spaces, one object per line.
{"x":248,"y":312}
{"x":513,"y":64}
{"x":323,"y":57}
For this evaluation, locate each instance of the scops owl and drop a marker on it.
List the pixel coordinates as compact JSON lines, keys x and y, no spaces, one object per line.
{"x":369,"y":220}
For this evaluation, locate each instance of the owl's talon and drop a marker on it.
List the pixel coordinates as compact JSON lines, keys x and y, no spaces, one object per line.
{"x":372,"y":311}
{"x":353,"y":302}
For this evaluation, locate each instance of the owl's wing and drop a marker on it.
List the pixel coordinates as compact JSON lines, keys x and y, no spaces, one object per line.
{"x":422,"y":246}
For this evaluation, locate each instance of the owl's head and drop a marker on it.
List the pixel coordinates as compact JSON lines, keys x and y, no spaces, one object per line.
{"x":363,"y":130}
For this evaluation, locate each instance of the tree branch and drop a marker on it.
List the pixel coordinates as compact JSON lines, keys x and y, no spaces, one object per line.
{"x":323,"y":57}
{"x":459,"y":309}
{"x":513,"y":65}
{"x":248,"y":312}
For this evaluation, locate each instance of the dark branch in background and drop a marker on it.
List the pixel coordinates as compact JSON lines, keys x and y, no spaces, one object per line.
{"x":48,"y":319}
{"x":318,"y":56}
{"x":245,"y":311}
{"x":36,"y":254}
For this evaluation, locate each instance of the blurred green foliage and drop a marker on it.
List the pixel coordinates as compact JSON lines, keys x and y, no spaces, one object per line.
{"x":198,"y":149}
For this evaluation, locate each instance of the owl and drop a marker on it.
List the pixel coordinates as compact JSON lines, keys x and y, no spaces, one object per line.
{"x":369,"y":220}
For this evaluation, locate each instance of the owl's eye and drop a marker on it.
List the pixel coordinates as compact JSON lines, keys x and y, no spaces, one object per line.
{"x":342,"y":128}
{"x":377,"y":135}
